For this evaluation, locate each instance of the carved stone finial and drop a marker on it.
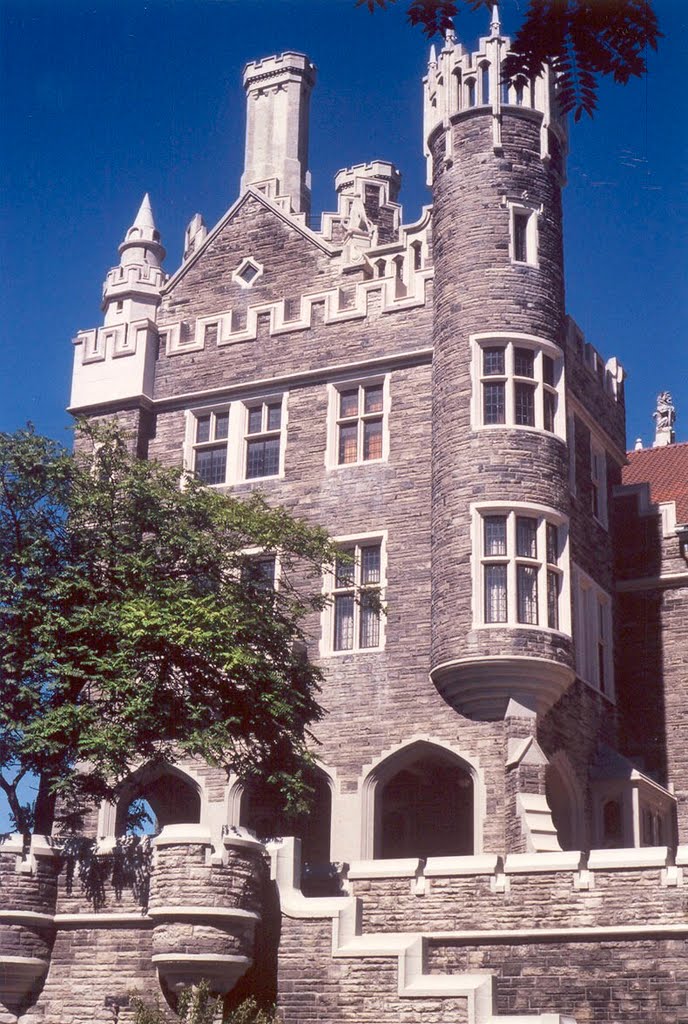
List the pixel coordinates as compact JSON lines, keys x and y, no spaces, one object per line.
{"x":664,"y":417}
{"x":495,"y":24}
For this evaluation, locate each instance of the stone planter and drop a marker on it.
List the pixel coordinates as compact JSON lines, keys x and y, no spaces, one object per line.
{"x":28,"y":893}
{"x":205,"y":904}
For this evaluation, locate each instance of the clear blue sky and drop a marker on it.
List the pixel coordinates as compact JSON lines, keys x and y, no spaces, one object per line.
{"x":103,"y":100}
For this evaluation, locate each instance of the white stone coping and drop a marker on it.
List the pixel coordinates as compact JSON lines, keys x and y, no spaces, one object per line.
{"x":242,"y":837}
{"x":536,"y":863}
{"x":183,"y":835}
{"x":473,"y":936}
{"x":401,"y":868}
{"x":184,"y":910}
{"x":27,"y":917}
{"x":41,"y":846}
{"x":95,"y":919}
{"x":634,"y":857}
{"x":682,"y":855}
{"x":444,"y":867}
{"x":24,"y":961}
{"x":200,"y":958}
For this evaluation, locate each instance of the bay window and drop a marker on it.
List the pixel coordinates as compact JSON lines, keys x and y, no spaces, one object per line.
{"x":521,"y":564}
{"x":518,"y":382}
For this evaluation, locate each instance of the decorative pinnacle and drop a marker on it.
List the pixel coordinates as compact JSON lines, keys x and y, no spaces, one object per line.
{"x":144,"y":218}
{"x":433,"y":55}
{"x":495,"y":24}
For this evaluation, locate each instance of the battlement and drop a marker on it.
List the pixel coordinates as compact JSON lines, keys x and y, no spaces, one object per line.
{"x":460,"y":82}
{"x":206,"y":900}
{"x":278,"y":64}
{"x":186,"y":907}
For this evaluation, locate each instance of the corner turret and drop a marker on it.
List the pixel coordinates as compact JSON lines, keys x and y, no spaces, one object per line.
{"x":131,"y":296}
{"x":500,"y":461}
{"x":132,"y":289}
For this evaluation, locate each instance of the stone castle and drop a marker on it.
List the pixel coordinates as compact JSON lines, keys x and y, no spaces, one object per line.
{"x":500,"y":833}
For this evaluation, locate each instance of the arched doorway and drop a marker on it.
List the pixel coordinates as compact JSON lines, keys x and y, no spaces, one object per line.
{"x":424,"y":805}
{"x":167,"y":796}
{"x":263,"y":811}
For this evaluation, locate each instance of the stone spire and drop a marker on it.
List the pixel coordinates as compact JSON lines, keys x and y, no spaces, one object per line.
{"x":132,"y":289}
{"x":142,"y":240}
{"x":495,"y":24}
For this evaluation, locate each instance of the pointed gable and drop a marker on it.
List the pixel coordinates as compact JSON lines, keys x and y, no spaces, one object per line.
{"x":292,"y":258}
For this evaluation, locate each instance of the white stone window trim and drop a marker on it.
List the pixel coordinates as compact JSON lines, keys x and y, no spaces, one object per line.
{"x":258,"y":553}
{"x":544,"y":515}
{"x":236,"y":437}
{"x":191,"y":445}
{"x":593,"y":624}
{"x":247,"y":262}
{"x":334,"y":389}
{"x":599,"y":481}
{"x":252,"y":403}
{"x":541,"y":347}
{"x":521,"y":207}
{"x":327,"y":619}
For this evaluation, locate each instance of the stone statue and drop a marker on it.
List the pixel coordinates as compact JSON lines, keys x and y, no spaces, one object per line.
{"x":664,"y":417}
{"x":665,"y":413}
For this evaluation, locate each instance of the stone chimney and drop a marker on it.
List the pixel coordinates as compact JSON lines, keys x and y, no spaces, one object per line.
{"x":278,"y":92}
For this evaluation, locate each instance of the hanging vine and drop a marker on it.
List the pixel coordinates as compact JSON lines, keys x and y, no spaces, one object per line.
{"x":126,"y":866}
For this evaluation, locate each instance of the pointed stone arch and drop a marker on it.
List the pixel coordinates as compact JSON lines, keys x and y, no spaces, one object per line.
{"x":251,"y":807}
{"x":566,"y":803}
{"x":401,"y":813}
{"x":175,"y":795}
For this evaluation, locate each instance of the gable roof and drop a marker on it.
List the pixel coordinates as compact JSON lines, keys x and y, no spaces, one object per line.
{"x":665,"y":471}
{"x":286,"y":218}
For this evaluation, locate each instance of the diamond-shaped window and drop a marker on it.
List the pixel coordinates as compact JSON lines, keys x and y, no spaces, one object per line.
{"x":248,"y":272}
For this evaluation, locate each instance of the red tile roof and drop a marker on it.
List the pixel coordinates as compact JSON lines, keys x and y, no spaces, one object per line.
{"x":665,"y":470}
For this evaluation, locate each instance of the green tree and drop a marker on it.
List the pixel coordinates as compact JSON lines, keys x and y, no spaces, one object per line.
{"x":580,"y":39}
{"x":134,"y":628}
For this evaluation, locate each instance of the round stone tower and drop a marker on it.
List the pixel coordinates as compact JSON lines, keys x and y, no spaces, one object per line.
{"x":501,"y":602}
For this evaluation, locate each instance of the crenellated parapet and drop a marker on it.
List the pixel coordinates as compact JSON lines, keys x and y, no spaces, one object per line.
{"x":462,"y":82}
{"x":461,"y":929}
{"x":189,"y":910}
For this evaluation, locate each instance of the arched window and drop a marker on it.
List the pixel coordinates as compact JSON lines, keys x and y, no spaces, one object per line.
{"x":519,"y":86}
{"x":417,"y":248}
{"x":470,"y":91}
{"x":165,"y":794}
{"x":263,"y":811}
{"x":380,"y":268}
{"x":485,"y":83}
{"x":457,"y":89}
{"x":424,"y":805}
{"x":399,"y":271}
